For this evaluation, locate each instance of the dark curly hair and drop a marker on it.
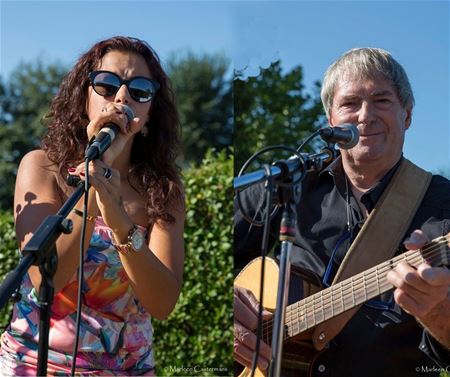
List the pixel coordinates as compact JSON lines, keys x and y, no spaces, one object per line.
{"x":153,"y":171}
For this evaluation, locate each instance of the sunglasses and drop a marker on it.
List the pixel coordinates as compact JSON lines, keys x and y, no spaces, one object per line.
{"x":105,"y":83}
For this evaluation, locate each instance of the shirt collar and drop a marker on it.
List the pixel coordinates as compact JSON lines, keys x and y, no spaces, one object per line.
{"x":370,"y":197}
{"x":335,"y":170}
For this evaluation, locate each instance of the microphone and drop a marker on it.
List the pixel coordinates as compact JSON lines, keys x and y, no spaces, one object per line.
{"x":346,"y":135}
{"x":105,"y":137}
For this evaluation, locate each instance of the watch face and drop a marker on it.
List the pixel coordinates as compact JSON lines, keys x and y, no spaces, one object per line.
{"x":137,"y":240}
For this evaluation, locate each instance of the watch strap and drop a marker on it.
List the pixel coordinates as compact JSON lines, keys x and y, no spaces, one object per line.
{"x":124,"y":248}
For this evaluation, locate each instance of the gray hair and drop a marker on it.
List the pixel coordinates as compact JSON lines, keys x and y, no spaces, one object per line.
{"x":363,"y":63}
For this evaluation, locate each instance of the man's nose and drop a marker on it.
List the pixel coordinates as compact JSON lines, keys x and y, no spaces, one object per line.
{"x":366,"y":113}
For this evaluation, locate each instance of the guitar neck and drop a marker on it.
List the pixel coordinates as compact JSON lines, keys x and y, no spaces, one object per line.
{"x":354,"y":291}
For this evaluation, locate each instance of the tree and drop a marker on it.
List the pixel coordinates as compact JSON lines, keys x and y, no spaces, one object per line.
{"x":23,"y":103}
{"x":272,"y":109}
{"x":2,"y":96}
{"x":204,"y":101}
{"x":202,"y":91}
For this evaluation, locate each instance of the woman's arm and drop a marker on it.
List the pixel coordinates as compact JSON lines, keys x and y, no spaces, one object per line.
{"x":156,"y":271}
{"x":37,"y":196}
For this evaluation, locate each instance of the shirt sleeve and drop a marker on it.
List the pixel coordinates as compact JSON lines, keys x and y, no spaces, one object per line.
{"x":248,"y":237}
{"x":435,"y":350}
{"x":429,"y":345}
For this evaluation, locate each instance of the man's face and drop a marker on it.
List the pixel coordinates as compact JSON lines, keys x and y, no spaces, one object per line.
{"x":372,"y":105}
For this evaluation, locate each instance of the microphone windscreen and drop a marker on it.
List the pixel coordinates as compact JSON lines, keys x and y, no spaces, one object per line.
{"x":128,"y":112}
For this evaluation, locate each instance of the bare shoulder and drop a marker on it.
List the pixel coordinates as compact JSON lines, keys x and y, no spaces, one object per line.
{"x":36,"y":164}
{"x":37,"y":158}
{"x":36,"y":178}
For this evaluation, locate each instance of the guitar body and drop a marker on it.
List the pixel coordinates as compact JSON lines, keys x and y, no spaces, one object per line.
{"x":298,"y":352}
{"x":328,"y":310}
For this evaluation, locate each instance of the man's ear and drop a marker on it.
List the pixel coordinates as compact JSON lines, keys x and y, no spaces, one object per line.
{"x":408,"y":118}
{"x":330,"y":121}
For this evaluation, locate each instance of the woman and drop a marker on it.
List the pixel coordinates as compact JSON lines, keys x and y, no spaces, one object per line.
{"x":134,"y":259}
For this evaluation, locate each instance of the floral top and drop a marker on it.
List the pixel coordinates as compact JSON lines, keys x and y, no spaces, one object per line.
{"x":115,"y":333}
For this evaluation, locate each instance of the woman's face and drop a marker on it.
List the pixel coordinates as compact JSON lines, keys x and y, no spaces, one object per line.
{"x":126,"y":65}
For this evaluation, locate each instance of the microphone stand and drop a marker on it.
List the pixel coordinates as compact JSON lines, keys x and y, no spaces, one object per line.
{"x":41,"y":251}
{"x":286,"y":236}
{"x":283,"y":173}
{"x":283,"y":168}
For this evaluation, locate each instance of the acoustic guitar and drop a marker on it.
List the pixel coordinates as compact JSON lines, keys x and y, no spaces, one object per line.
{"x":302,"y":316}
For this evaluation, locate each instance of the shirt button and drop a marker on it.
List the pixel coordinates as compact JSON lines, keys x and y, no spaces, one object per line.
{"x":321,"y":368}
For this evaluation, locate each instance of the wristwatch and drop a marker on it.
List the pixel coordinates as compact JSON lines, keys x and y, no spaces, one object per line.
{"x":135,"y":242}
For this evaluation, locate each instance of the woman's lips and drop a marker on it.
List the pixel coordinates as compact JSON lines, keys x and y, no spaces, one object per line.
{"x":367,"y":135}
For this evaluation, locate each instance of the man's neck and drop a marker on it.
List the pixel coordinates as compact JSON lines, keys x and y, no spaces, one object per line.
{"x":363,"y":176}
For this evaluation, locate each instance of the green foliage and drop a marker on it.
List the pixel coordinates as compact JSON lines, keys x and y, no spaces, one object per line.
{"x":197,"y":337}
{"x":273,"y":109}
{"x":204,"y":101}
{"x":203,"y":97}
{"x":23,"y":103}
{"x":9,"y":257}
{"x":198,"y":334}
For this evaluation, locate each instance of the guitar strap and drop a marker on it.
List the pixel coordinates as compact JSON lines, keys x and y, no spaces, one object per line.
{"x":379,"y":237}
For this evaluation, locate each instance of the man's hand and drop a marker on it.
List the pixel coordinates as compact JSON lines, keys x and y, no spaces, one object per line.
{"x":419,"y":290}
{"x":423,"y":292}
{"x":245,"y":320}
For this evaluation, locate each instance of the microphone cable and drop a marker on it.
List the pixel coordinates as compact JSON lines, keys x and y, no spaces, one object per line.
{"x":80,"y":298}
{"x":130,"y":115}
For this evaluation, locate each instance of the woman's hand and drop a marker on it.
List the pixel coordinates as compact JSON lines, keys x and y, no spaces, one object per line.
{"x":114,"y":113}
{"x":106,"y":182}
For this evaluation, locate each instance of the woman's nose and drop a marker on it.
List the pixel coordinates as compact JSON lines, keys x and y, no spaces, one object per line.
{"x":122,"y":95}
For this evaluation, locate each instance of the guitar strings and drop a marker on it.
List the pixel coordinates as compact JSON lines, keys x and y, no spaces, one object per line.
{"x":411,"y":256}
{"x":306,"y":308}
{"x":355,"y":285}
{"x":318,"y":298}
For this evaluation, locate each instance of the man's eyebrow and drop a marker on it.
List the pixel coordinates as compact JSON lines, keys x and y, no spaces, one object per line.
{"x":375,"y":93}
{"x":380,"y":93}
{"x":348,"y":97}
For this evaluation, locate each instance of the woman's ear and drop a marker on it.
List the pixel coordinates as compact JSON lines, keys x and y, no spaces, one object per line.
{"x":145,"y":131}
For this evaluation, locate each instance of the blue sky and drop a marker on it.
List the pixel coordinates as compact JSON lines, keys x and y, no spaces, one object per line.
{"x":252,"y":33}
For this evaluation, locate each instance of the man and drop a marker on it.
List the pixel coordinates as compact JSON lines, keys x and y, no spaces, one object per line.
{"x":405,"y":332}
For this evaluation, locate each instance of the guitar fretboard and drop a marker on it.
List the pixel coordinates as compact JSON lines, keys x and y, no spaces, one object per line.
{"x":354,"y":291}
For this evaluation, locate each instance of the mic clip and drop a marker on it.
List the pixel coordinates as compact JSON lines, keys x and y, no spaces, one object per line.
{"x":91,"y":141}
{"x":73,"y":180}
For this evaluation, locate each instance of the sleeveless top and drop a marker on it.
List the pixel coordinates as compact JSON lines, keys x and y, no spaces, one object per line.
{"x":115,"y":331}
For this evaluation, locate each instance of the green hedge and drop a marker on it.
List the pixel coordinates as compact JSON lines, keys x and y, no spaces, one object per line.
{"x":9,"y":257}
{"x":197,"y":337}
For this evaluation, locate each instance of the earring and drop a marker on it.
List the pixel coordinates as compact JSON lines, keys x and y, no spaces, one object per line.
{"x":144,"y":131}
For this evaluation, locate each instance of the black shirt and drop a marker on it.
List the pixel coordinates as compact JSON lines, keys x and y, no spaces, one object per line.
{"x":381,"y":339}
